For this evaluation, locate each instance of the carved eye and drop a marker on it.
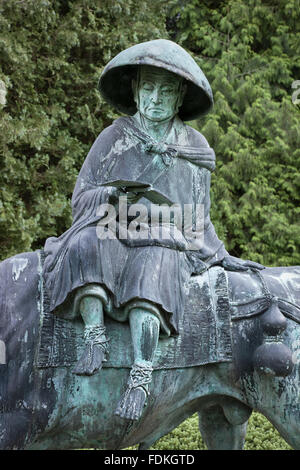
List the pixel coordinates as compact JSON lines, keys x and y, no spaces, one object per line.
{"x":167,"y":91}
{"x":147,"y":87}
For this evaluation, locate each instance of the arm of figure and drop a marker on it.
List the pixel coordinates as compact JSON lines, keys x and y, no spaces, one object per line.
{"x":218,"y":252}
{"x":88,"y":192}
{"x":221,"y":255}
{"x":231,"y":263}
{"x":236,"y":264}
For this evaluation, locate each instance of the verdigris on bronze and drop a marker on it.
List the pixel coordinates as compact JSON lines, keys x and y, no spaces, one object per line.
{"x":143,"y":276}
{"x":206,"y":329}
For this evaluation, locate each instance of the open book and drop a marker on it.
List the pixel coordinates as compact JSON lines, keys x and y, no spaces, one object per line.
{"x":145,"y":189}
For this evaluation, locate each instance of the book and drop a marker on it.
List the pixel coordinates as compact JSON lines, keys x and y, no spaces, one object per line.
{"x":145,"y":189}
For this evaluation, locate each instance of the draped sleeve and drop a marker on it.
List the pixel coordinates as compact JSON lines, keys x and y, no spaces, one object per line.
{"x":87,"y":196}
{"x":212,"y":249}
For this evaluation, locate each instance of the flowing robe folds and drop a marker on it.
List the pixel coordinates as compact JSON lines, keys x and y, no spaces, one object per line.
{"x":150,"y":268}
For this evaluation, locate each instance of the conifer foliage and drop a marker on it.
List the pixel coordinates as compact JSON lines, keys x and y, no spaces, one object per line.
{"x":250,"y":54}
{"x":51,"y":57}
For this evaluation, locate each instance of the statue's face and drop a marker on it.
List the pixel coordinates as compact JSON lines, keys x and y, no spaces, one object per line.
{"x":158,"y":93}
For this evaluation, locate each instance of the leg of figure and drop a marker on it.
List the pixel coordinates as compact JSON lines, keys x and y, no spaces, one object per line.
{"x":144,"y":328}
{"x":91,"y":310}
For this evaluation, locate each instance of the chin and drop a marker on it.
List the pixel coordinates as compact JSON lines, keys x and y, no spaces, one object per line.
{"x":156,"y":118}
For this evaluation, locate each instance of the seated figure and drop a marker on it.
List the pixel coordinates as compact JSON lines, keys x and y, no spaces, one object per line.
{"x":148,"y":157}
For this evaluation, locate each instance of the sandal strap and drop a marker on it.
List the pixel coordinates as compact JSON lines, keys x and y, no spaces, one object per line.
{"x":140,"y":376}
{"x":95,"y":334}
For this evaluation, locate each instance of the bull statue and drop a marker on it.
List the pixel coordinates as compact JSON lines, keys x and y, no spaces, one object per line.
{"x":137,"y":316}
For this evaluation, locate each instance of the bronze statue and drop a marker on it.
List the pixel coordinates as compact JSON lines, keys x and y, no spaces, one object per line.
{"x":141,"y":286}
{"x":151,"y":155}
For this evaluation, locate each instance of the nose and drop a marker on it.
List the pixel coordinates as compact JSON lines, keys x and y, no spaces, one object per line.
{"x":155,"y":96}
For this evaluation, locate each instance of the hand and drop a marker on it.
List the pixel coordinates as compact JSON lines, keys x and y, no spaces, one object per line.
{"x":236,"y":264}
{"x":132,"y":197}
{"x":114,"y":194}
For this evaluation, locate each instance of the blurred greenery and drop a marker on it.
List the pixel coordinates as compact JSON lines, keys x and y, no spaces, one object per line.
{"x":261,"y":435}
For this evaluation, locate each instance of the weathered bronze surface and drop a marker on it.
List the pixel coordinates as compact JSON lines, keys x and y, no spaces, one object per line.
{"x":137,"y":316}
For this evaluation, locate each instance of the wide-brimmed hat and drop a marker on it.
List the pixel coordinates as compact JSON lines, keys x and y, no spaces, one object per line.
{"x":115,"y":83}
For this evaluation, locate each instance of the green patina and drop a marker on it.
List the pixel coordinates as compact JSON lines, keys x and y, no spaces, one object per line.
{"x":156,"y":82}
{"x":125,"y":371}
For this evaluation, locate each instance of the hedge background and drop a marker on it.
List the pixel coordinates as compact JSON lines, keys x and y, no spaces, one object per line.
{"x":260,"y":436}
{"x":51,"y":56}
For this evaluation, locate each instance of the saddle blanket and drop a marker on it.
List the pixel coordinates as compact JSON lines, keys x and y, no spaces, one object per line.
{"x":216,"y":302}
{"x":204,"y":332}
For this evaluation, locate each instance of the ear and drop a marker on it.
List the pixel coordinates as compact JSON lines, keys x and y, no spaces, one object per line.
{"x":134,"y":89}
{"x":181,"y":94}
{"x":183,"y":90}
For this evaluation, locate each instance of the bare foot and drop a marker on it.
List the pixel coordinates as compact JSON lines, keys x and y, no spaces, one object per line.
{"x":91,"y":360}
{"x":94,"y":353}
{"x":133,"y":401}
{"x":132,"y":404}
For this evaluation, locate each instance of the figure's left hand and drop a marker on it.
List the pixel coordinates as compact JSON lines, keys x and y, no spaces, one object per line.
{"x":236,"y":264}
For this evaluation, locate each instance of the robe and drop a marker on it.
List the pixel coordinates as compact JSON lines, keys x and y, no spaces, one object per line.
{"x":151,"y":268}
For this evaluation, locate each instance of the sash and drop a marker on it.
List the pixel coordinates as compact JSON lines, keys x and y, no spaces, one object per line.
{"x":200,"y":156}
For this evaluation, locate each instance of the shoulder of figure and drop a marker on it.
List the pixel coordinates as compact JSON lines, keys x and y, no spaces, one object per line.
{"x":107,"y":136}
{"x":113,"y":129}
{"x":197,"y":139}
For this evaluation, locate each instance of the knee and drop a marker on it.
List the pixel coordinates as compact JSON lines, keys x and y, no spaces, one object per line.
{"x":94,"y":291}
{"x":145,"y":316}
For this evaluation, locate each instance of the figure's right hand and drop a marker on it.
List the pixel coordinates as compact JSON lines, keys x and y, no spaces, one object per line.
{"x":132,"y":197}
{"x":116,"y":193}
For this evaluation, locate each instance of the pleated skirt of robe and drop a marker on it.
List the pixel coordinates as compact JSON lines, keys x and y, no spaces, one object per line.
{"x":156,"y":274}
{"x":87,"y":260}
{"x":151,"y":273}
